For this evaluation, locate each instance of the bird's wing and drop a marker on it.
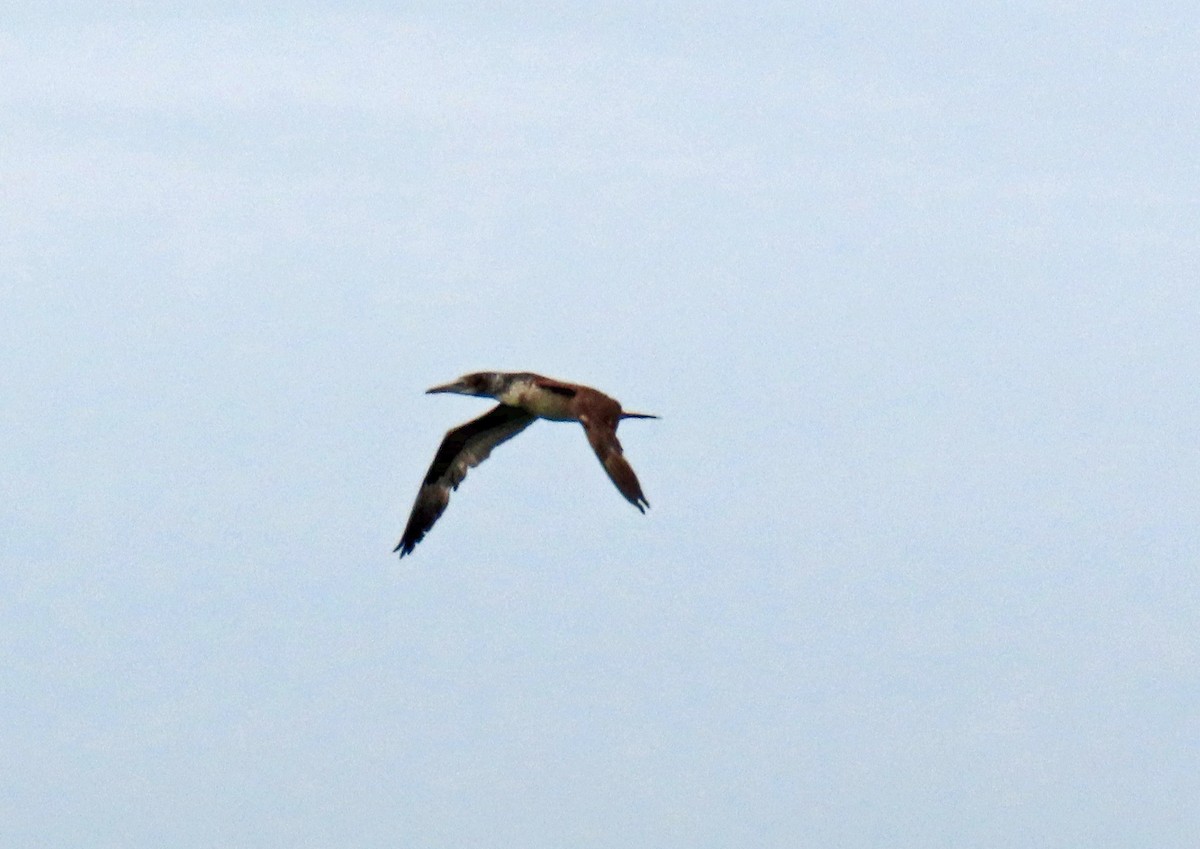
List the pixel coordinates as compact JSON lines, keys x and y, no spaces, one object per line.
{"x":463,"y":448}
{"x":603,"y":438}
{"x":558,"y":387}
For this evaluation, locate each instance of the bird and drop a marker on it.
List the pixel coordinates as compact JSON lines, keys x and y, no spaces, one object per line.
{"x":524,"y":397}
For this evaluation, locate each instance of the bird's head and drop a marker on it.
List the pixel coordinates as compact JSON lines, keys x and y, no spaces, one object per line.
{"x":485,"y":383}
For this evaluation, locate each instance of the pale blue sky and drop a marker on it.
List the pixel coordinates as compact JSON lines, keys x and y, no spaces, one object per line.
{"x":914,"y":289}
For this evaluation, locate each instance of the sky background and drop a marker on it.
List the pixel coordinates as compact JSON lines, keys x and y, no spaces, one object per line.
{"x":913,"y":288}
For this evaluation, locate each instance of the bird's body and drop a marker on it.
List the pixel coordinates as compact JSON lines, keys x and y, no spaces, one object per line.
{"x":524,"y":397}
{"x":550,"y":399}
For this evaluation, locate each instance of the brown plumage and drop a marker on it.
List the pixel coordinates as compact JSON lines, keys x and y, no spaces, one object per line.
{"x":523,"y":397}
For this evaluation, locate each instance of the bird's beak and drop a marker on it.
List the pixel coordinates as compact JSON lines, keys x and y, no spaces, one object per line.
{"x":456,"y":387}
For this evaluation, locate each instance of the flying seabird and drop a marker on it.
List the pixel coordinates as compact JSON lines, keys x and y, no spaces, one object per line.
{"x":523,"y":397}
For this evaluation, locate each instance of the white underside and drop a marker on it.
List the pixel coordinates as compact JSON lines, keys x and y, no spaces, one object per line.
{"x":543,"y":404}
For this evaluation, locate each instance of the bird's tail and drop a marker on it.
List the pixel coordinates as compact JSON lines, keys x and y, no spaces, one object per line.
{"x":626,"y":415}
